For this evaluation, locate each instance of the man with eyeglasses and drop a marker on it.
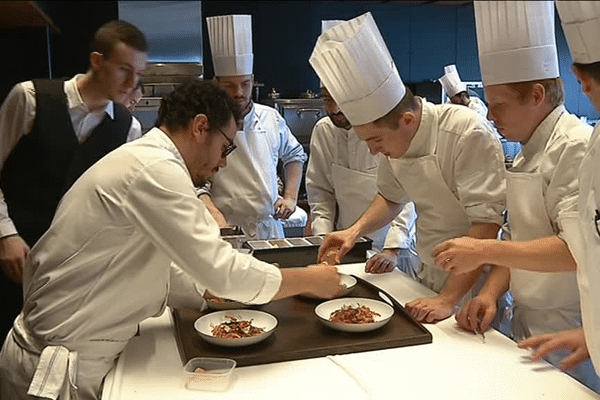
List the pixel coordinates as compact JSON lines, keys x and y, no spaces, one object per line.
{"x":246,"y":193}
{"x":129,"y":238}
{"x":51,"y":131}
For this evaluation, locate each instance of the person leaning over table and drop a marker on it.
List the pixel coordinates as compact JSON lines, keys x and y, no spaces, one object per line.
{"x":341,"y":182}
{"x":115,"y":233}
{"x":51,"y":131}
{"x":526,"y":104}
{"x":246,"y":192}
{"x":429,"y":158}
{"x":457,"y":91}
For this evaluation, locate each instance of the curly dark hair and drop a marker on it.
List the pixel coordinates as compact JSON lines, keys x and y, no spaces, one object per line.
{"x":114,"y":32}
{"x":179,"y":107}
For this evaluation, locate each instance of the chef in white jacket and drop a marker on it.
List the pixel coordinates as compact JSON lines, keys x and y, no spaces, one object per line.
{"x":104,"y":264}
{"x":246,"y":192}
{"x":444,"y":158}
{"x":341,"y":182}
{"x":456,"y":90}
{"x":525,"y":94}
{"x":581,"y":25}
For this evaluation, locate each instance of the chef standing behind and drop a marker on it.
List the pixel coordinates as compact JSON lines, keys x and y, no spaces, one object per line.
{"x":246,"y":192}
{"x":444,"y":158}
{"x":457,"y":91}
{"x":525,"y":94}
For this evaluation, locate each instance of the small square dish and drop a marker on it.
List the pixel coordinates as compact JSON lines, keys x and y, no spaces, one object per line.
{"x":210,"y":374}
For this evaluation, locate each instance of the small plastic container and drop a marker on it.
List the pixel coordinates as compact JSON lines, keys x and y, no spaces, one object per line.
{"x":210,"y":374}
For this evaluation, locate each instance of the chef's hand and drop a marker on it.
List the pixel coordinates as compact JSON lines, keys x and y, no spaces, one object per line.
{"x":459,"y":255}
{"x":326,"y":281}
{"x":382,"y":262}
{"x":336,"y":242}
{"x":284,"y":208}
{"x":572,"y":339}
{"x":477,"y":314}
{"x":430,"y":310}
{"x":13,"y":251}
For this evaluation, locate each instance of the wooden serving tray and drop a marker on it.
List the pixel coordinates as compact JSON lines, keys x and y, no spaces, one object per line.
{"x":300,"y":335}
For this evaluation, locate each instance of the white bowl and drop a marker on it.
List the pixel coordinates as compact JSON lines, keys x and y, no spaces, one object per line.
{"x":347,"y":280}
{"x":324,"y":311}
{"x":204,"y":326}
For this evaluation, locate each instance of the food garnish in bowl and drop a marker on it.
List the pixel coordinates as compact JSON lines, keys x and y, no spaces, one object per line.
{"x":234,"y":329}
{"x":354,"y":315}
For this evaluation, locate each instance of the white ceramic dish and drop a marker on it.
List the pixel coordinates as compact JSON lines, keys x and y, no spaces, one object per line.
{"x":204,"y":326}
{"x":347,"y":280}
{"x":324,"y":311}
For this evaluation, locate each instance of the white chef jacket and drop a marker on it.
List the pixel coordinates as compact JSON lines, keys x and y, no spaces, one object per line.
{"x":587,"y":253}
{"x":471,"y":164}
{"x":246,"y":190}
{"x":329,"y":146}
{"x":17,"y":115}
{"x":103,"y":266}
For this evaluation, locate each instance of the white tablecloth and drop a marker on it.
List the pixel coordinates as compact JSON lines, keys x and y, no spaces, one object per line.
{"x":456,"y":365}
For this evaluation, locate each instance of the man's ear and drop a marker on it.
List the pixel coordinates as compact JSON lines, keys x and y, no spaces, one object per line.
{"x":96,"y":59}
{"x":200,"y":125}
{"x":408,"y":118}
{"x":539,"y":93}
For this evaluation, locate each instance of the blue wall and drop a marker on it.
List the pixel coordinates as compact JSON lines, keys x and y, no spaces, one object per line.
{"x":422,"y":40}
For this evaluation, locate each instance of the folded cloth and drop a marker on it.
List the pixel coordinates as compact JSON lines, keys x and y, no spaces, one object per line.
{"x":55,"y":374}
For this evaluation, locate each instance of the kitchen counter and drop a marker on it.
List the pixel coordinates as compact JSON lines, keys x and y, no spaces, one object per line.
{"x":456,"y":365}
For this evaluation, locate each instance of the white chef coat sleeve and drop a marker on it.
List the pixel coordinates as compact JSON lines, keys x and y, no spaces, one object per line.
{"x":479,"y":173}
{"x":402,"y":231}
{"x":290,"y":149}
{"x":205,"y":189}
{"x":162,"y":202}
{"x":17,"y":115}
{"x":319,"y":183}
{"x":135,"y":129}
{"x":562,"y":194}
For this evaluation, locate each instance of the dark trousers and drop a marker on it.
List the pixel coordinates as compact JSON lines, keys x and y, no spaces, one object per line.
{"x":11,"y":297}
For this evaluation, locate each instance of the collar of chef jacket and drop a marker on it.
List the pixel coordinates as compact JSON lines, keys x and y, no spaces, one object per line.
{"x":527,"y":160}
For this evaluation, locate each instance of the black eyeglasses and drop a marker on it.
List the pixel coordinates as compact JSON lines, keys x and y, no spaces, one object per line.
{"x":230,"y":147}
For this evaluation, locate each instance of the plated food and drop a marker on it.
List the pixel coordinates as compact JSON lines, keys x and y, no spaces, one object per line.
{"x":234,"y":328}
{"x":354,"y":314}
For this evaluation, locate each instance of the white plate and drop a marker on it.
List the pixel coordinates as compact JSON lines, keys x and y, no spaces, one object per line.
{"x":324,"y":311}
{"x":347,"y":280}
{"x":204,"y":326}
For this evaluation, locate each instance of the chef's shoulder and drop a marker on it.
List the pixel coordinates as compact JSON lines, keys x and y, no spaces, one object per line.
{"x":572,"y":129}
{"x":461,"y":120}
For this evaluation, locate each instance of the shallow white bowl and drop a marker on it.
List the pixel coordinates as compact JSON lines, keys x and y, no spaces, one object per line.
{"x":260,"y":319}
{"x":324,"y":311}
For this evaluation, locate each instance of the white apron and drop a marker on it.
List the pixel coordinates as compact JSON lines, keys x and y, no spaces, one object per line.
{"x":441,"y":216}
{"x":246,"y":191}
{"x":544,"y":302}
{"x":354,"y":192}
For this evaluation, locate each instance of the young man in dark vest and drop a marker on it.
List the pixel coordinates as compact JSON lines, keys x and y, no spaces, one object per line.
{"x":51,"y":131}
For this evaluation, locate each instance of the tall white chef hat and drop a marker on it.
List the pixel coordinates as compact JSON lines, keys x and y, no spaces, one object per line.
{"x":451,"y":81}
{"x":231,"y":44}
{"x":581,"y":25}
{"x":516,"y":41}
{"x":353,"y":62}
